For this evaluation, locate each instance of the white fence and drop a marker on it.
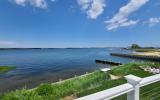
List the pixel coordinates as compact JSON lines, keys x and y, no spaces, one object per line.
{"x":131,"y":88}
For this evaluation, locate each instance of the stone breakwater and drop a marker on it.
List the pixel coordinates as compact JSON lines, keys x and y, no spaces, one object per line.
{"x":144,"y":57}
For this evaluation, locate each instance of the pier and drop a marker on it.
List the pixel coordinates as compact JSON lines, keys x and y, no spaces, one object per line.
{"x":144,"y":57}
{"x":108,"y":62}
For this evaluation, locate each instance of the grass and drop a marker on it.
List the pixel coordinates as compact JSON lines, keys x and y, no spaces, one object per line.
{"x":88,"y":84}
{"x":122,"y":70}
{"x":150,"y":92}
{"x":105,"y":85}
{"x":59,"y":90}
{"x":4,"y":69}
{"x":131,"y":68}
{"x":23,"y":94}
{"x":72,"y":86}
{"x":147,"y":92}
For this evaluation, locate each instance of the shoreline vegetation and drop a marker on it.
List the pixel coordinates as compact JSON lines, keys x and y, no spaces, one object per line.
{"x":88,"y":84}
{"x":4,"y":69}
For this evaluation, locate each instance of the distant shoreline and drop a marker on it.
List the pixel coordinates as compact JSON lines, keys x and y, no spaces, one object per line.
{"x":58,"y":48}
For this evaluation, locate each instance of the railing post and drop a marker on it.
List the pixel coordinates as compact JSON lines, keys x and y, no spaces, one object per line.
{"x":134,"y":81}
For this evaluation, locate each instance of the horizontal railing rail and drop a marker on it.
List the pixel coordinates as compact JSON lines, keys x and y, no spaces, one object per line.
{"x":131,"y":88}
{"x":150,"y":80}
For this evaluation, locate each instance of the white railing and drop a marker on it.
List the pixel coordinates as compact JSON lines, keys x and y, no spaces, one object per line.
{"x":131,"y":88}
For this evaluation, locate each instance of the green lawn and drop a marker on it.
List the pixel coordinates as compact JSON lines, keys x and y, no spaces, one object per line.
{"x":132,"y":68}
{"x":91,"y":83}
{"x":6,"y":68}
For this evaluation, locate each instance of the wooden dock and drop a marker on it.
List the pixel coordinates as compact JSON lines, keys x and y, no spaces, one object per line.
{"x":108,"y":62}
{"x":143,"y":57}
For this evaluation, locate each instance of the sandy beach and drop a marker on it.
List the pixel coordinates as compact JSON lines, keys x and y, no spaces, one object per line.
{"x":148,"y":53}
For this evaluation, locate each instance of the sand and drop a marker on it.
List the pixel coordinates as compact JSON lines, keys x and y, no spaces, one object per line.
{"x":148,"y":53}
{"x":113,"y":77}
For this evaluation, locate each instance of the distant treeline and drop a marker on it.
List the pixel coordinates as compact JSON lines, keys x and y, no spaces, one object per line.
{"x":136,"y":46}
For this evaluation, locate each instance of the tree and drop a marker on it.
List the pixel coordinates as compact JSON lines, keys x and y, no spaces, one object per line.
{"x":135,"y":46}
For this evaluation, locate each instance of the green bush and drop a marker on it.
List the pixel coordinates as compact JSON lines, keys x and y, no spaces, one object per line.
{"x":44,"y":89}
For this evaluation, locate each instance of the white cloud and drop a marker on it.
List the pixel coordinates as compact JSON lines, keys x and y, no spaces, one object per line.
{"x":9,"y":44}
{"x":34,"y":3}
{"x":2,"y":43}
{"x":20,"y":2}
{"x":53,"y":0}
{"x":93,"y":8}
{"x":154,"y":21}
{"x":121,"y":18}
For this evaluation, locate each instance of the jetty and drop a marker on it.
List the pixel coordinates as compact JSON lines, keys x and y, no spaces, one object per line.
{"x":108,"y":62}
{"x":143,"y":57}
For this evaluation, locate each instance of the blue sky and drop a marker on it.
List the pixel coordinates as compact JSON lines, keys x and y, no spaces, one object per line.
{"x":79,"y":23}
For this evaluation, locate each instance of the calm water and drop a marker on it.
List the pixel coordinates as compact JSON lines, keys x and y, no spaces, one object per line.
{"x":34,"y":66}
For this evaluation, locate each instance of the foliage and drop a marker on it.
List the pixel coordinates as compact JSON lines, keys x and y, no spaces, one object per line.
{"x":6,"y":68}
{"x":72,"y":86}
{"x":104,"y":85}
{"x":135,"y":46}
{"x":58,"y":90}
{"x":23,"y":94}
{"x":130,"y":68}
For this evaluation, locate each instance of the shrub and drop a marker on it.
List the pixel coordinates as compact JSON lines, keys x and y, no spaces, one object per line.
{"x":44,"y":89}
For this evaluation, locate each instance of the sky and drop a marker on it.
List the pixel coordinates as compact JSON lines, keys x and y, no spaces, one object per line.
{"x":79,"y":23}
